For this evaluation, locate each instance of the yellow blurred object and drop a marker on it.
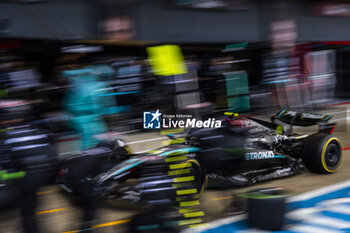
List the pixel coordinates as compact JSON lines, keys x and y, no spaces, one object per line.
{"x":177,"y":141}
{"x":230,"y":114}
{"x":166,"y":60}
{"x":166,"y":142}
{"x":279,"y":129}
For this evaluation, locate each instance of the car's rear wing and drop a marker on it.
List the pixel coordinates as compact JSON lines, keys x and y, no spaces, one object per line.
{"x":298,"y":118}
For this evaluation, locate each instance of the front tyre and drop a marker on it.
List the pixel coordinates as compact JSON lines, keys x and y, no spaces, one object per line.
{"x":322,"y":153}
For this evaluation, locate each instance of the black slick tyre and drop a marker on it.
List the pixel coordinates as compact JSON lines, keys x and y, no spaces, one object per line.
{"x":322,"y":153}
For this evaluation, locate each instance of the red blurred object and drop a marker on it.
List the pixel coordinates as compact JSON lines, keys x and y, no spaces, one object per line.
{"x":333,"y":128}
{"x":9,"y":44}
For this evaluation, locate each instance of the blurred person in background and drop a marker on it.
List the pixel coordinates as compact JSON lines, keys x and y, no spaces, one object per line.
{"x":282,"y":67}
{"x":29,"y":158}
{"x":86,"y":102}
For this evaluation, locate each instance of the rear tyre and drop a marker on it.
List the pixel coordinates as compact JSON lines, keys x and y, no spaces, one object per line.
{"x":322,"y":153}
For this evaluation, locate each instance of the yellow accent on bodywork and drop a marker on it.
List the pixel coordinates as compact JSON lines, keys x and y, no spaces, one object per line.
{"x":189,"y":203}
{"x":194,"y":214}
{"x":177,"y":141}
{"x":183,"y":179}
{"x":127,"y":149}
{"x":186,"y":191}
{"x":279,"y":129}
{"x":175,"y":159}
{"x":230,"y":114}
{"x":180,"y":166}
{"x":154,"y":152}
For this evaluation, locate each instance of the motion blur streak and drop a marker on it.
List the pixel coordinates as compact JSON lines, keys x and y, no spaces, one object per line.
{"x":112,"y":223}
{"x":105,"y":224}
{"x":50,"y":211}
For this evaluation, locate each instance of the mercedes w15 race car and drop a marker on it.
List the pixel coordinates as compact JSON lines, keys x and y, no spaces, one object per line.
{"x":244,"y":150}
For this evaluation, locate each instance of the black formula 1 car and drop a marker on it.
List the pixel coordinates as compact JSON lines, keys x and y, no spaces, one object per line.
{"x":244,"y":150}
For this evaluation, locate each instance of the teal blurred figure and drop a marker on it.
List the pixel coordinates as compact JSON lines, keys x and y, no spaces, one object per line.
{"x":87,"y":100}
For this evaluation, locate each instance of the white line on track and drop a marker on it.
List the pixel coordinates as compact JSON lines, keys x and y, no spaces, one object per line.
{"x":216,"y":223}
{"x":327,"y":222}
{"x":341,"y":209}
{"x":319,"y":192}
{"x":146,"y":140}
{"x":311,"y":229}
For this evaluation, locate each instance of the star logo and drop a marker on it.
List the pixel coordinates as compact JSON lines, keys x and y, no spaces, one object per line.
{"x":155,"y":115}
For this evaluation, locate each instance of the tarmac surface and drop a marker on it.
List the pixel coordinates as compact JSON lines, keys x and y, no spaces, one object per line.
{"x":57,"y":212}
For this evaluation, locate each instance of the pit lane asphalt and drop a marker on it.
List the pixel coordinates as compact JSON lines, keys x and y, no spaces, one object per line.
{"x":57,"y":213}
